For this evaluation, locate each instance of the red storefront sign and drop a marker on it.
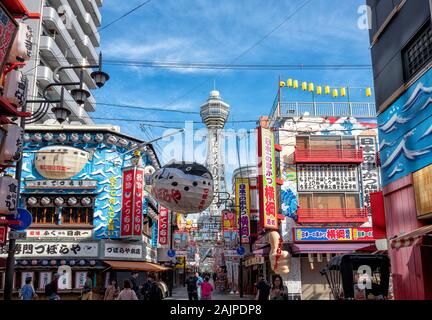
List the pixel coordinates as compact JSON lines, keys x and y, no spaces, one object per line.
{"x":163,"y":226}
{"x":3,"y":232}
{"x":228,"y":220}
{"x":8,"y":29}
{"x":267,"y":179}
{"x":132,"y":203}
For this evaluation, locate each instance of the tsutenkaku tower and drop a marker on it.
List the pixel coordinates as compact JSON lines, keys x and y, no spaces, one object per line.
{"x":214,"y":114}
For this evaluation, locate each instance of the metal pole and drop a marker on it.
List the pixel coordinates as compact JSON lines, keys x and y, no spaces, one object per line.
{"x":10,"y":261}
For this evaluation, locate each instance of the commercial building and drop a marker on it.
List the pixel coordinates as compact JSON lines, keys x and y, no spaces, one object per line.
{"x":401,"y":46}
{"x":65,"y":35}
{"x":76,"y":182}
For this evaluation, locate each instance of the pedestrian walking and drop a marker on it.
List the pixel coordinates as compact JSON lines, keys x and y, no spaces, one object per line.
{"x":87,"y":292}
{"x":206,"y":289}
{"x":127,"y":293}
{"x":134,"y":282}
{"x":28,"y":292}
{"x":278,"y":291}
{"x":191,"y":284}
{"x":111,"y":291}
{"x":263,"y":288}
{"x":51,"y":289}
{"x":199,"y":282}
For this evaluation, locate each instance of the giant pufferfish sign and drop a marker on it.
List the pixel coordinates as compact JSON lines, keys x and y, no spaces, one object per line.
{"x":183,"y":187}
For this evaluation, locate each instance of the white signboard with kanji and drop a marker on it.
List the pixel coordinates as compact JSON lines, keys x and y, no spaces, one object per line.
{"x":56,"y":233}
{"x":123,"y":251}
{"x":80,"y":278}
{"x":54,"y":250}
{"x":44,"y":279}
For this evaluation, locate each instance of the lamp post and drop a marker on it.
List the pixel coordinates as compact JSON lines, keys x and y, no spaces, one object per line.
{"x":80,"y":95}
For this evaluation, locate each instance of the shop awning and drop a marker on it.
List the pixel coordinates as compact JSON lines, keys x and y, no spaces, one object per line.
{"x":328,"y":247}
{"x":136,"y":266}
{"x":411,"y":238}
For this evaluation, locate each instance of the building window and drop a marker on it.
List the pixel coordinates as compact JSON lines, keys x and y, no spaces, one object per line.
{"x":329,"y":200}
{"x":326,"y":142}
{"x":50,"y":215}
{"x":77,"y":216}
{"x":44,"y":215}
{"x":418,"y":52}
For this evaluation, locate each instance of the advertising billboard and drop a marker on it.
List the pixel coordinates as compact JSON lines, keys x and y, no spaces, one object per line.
{"x":242,"y":196}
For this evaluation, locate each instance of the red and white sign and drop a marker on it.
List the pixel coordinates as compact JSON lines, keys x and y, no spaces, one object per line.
{"x":132,"y":203}
{"x":163,"y":226}
{"x":3,"y":233}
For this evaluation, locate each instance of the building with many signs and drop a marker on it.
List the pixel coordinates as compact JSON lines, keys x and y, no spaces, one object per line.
{"x":327,"y":169}
{"x":86,"y":189}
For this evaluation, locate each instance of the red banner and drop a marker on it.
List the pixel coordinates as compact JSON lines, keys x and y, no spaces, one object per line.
{"x":8,"y":29}
{"x":163,"y":226}
{"x":229,"y":220}
{"x":138,"y":203}
{"x":132,"y":203}
{"x":127,"y":203}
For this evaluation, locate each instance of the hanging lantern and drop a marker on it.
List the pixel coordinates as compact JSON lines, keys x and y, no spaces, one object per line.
{"x":61,"y":137}
{"x":59,"y":201}
{"x":281,"y":84}
{"x":74,"y":137}
{"x":99,"y":137}
{"x":304,"y":86}
{"x":368,"y":92}
{"x":45,"y":201}
{"x":23,"y":44}
{"x":26,"y":137}
{"x":335,"y":93}
{"x":15,"y":89}
{"x":86,"y":201}
{"x":53,"y":262}
{"x":86,"y":137}
{"x":34,"y":262}
{"x":343,"y":92}
{"x":37,"y":137}
{"x":123,"y":143}
{"x":289,"y":83}
{"x":295,"y":84}
{"x":111,"y":139}
{"x":183,"y":187}
{"x":31,"y":201}
{"x":327,"y":89}
{"x":311,"y":87}
{"x":72,"y":201}
{"x":11,"y":144}
{"x":8,"y":194}
{"x":319,"y":90}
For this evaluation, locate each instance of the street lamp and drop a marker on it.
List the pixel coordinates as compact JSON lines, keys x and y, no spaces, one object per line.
{"x":61,"y":113}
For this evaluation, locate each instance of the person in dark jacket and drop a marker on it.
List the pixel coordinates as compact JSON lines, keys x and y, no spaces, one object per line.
{"x":191,"y":284}
{"x":134,"y":282}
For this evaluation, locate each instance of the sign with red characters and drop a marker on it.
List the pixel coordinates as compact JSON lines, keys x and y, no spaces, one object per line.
{"x":267,"y":179}
{"x":3,"y":232}
{"x":163,"y":226}
{"x":132,"y":203}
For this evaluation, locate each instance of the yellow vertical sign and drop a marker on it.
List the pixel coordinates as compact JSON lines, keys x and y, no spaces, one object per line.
{"x":242,"y":196}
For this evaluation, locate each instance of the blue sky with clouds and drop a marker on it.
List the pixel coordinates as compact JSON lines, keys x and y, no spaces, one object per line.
{"x":323,"y":32}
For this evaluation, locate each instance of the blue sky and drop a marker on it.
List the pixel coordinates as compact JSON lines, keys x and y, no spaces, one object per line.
{"x":323,"y":32}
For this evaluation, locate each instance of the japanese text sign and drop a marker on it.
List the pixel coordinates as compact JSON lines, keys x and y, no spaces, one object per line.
{"x":242,"y":195}
{"x":163,"y":230}
{"x":267,"y":179}
{"x":333,"y":234}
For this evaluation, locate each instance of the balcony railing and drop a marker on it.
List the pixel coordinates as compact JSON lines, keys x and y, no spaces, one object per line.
{"x":330,"y":109}
{"x":353,"y":215}
{"x":328,"y":155}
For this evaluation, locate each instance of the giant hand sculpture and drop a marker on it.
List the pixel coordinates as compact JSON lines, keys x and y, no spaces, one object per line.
{"x":280,"y":260}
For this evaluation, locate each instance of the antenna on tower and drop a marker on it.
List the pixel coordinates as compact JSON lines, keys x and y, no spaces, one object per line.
{"x":214,"y":85}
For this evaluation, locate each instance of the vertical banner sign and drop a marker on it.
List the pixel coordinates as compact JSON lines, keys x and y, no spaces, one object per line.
{"x":267,"y":179}
{"x":163,"y":226}
{"x":369,"y":169}
{"x":132,"y":203}
{"x":242,"y":195}
{"x":127,"y":202}
{"x":138,"y":203}
{"x":8,"y":29}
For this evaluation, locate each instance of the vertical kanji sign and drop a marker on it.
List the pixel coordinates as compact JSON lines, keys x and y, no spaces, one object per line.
{"x":132,"y":203}
{"x":267,"y":179}
{"x":138,"y":203}
{"x":242,"y":195}
{"x":163,"y":226}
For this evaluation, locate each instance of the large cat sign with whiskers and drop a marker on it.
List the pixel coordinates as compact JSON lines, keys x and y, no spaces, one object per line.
{"x":183,"y":187}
